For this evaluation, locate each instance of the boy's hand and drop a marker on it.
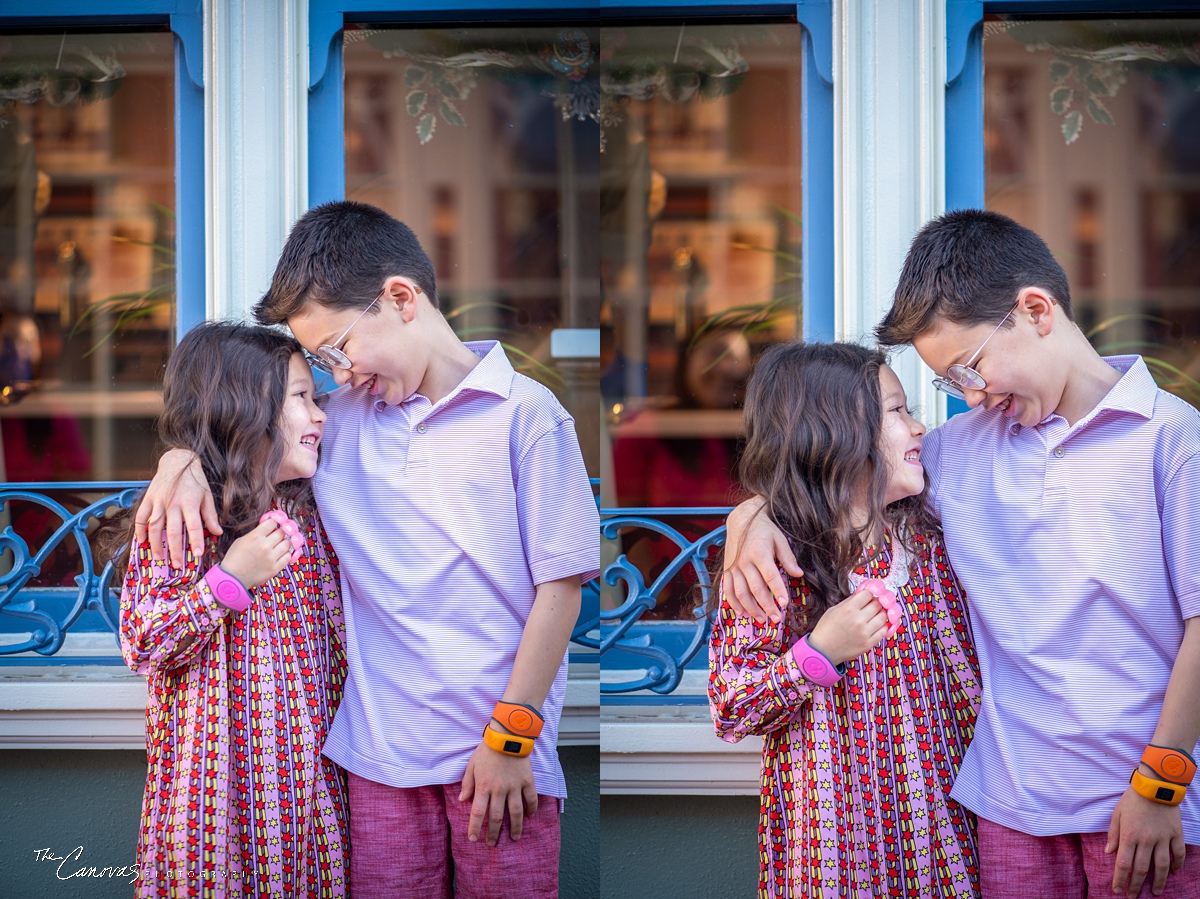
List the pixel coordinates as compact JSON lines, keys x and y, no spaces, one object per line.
{"x":258,"y":556}
{"x":850,"y":628}
{"x":498,"y":781}
{"x":1146,"y":837}
{"x":178,"y":498}
{"x":751,"y":580}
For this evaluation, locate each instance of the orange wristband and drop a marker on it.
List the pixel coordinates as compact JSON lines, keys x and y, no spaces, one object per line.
{"x":1157,"y":790}
{"x":523,"y":720}
{"x":1174,"y":765}
{"x":508,"y":744}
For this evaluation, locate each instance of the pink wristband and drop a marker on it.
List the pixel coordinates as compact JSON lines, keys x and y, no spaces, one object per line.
{"x":815,"y":666}
{"x":229,"y":591}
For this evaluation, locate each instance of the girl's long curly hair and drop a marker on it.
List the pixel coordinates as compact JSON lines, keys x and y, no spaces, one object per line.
{"x":813,"y":420}
{"x":223,"y":391}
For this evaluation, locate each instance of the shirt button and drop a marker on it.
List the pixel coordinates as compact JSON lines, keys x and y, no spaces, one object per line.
{"x":421,"y":428}
{"x":380,"y":406}
{"x":1015,"y":429}
{"x":1059,"y":452}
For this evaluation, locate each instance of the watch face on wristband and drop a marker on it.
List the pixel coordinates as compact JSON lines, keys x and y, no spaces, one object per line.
{"x":512,"y":746}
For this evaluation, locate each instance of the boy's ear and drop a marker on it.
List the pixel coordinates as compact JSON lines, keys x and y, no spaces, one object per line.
{"x":1040,"y":307}
{"x":403,"y":293}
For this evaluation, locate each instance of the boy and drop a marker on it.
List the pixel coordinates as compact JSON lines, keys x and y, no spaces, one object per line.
{"x":1068,"y":499}
{"x":454,"y":492}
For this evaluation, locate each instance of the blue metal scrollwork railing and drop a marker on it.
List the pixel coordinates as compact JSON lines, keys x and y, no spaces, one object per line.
{"x":36,"y":620}
{"x":660,"y":655}
{"x":46,"y":614}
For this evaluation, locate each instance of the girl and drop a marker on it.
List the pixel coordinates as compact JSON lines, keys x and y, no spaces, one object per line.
{"x":243,"y":646}
{"x":863,"y":730}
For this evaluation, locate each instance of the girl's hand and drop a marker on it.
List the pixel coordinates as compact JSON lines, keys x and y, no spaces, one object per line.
{"x":257,"y":557}
{"x":850,"y":628}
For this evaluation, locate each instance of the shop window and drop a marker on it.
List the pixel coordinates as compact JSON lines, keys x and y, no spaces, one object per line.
{"x":487,"y":142}
{"x":87,"y":225}
{"x":1091,"y":138}
{"x":700,"y":250}
{"x":87,"y":265}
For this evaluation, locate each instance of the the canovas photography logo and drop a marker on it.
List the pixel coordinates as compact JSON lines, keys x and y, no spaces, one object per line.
{"x":70,"y":865}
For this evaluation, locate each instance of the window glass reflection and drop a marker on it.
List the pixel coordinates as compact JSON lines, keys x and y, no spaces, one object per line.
{"x":700,"y":259}
{"x":1092,"y":136}
{"x":87,"y":186}
{"x":486,"y":141}
{"x":87,"y":280}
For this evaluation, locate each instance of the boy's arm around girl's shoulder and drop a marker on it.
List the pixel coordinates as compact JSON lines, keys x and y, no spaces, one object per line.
{"x":755,"y":685}
{"x":168,"y":614}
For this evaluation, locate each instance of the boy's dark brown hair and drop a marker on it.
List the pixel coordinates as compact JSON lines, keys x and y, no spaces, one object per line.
{"x":338,"y":255}
{"x":224,"y":388}
{"x":967,"y":267}
{"x":814,"y":413}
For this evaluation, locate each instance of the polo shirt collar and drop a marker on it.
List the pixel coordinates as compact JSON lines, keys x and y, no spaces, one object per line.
{"x":493,"y":374}
{"x":1135,"y":392}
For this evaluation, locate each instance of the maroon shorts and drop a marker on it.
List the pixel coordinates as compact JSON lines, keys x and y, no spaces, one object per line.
{"x":1015,"y":865}
{"x":412,"y":842}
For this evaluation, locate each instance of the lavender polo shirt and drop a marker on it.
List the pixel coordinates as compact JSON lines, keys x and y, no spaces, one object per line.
{"x":1078,"y":547}
{"x":445,"y":517}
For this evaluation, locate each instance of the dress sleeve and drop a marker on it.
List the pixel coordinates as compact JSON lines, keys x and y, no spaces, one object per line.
{"x":167,"y":616}
{"x":328,"y":573}
{"x":755,"y":685}
{"x":953,"y":635}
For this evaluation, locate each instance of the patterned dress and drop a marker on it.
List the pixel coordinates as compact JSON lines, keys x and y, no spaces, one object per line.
{"x":856,"y":777}
{"x":239,"y":800}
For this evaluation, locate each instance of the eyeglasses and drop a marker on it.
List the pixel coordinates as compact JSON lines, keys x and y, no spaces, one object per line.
{"x":963,"y":377}
{"x":329,"y":356}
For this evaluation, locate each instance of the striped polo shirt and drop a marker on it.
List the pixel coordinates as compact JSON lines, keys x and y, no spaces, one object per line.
{"x":445,"y":518}
{"x":1078,"y":547}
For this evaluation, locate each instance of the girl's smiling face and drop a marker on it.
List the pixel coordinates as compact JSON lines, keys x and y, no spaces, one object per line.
{"x":301,"y":422}
{"x":900,"y":437}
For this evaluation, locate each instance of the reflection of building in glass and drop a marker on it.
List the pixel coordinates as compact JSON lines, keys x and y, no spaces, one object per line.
{"x":87,"y":184}
{"x":485,"y":142}
{"x":699,"y":230}
{"x":1092,"y":140}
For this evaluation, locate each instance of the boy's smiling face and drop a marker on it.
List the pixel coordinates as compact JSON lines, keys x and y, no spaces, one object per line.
{"x":1018,"y":362}
{"x":385,"y":360}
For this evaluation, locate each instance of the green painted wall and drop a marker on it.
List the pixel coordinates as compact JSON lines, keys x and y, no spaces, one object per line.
{"x":698,"y":847}
{"x":58,"y":800}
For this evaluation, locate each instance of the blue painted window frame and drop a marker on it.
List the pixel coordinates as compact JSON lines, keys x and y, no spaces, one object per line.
{"x":964,"y":78}
{"x":327,"y":160}
{"x":326,"y":150}
{"x":965,"y":164}
{"x":185,"y":18}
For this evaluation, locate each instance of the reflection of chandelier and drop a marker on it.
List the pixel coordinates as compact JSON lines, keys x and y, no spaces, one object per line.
{"x":584,"y":81}
{"x":1093,"y":59}
{"x":58,"y":72}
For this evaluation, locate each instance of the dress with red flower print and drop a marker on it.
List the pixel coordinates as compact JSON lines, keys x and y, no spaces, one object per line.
{"x":239,"y":800}
{"x":856,"y":777}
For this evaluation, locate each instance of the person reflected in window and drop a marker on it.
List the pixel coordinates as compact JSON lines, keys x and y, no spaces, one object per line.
{"x":695,"y":468}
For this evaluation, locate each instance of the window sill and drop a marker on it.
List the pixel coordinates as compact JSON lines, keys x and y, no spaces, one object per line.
{"x":104,"y":707}
{"x":668,"y":746}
